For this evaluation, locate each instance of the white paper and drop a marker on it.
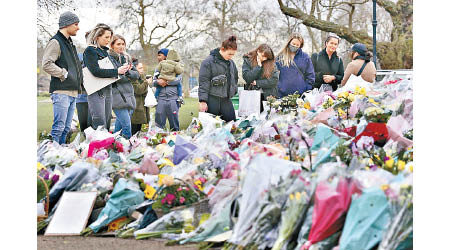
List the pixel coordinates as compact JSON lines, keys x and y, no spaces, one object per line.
{"x":92,"y":83}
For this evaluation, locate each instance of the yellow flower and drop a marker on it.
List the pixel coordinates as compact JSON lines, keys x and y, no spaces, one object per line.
{"x":198,"y":160}
{"x":401,"y":165}
{"x":370,"y":161}
{"x":198,"y":183}
{"x":390,"y":163}
{"x":341,"y":112}
{"x":307,"y":106}
{"x":351,"y":97}
{"x":166,"y":162}
{"x":384,"y":187}
{"x":297,"y":196}
{"x":149,"y":192}
{"x":291,"y":196}
{"x":286,"y":157}
{"x":117,"y":224}
{"x":40,"y":166}
{"x":371,"y":100}
{"x":160,"y":178}
{"x":411,"y":168}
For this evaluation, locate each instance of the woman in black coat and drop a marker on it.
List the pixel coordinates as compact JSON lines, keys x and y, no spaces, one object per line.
{"x":260,"y":72}
{"x":328,"y":67}
{"x":218,"y":79}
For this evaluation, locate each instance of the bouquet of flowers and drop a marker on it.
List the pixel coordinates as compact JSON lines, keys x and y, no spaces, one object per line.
{"x":157,"y":139}
{"x":173,"y":195}
{"x":377,"y":115}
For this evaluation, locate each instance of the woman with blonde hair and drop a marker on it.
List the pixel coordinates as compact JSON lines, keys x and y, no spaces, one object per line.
{"x":295,"y":66}
{"x":99,"y":102}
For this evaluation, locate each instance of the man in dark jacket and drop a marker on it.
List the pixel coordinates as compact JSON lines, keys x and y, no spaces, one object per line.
{"x":167,"y":107}
{"x":215,"y":89}
{"x":60,"y":60}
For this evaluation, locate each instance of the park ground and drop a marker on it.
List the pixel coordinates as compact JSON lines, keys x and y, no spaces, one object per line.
{"x":45,"y":113}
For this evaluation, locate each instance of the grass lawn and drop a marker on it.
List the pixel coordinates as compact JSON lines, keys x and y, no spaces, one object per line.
{"x":45,"y":114}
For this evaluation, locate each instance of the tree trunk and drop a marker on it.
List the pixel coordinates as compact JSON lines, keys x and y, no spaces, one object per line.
{"x":396,"y":54}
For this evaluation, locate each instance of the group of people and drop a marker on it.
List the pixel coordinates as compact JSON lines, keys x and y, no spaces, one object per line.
{"x":125,"y":96}
{"x":292,"y":70}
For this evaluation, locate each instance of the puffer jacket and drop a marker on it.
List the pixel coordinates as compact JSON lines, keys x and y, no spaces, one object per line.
{"x":214,"y":65}
{"x":325,"y":66}
{"x":267,"y":85}
{"x":122,"y":89}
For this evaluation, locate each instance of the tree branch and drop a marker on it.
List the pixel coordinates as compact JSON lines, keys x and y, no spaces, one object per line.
{"x":389,"y":6}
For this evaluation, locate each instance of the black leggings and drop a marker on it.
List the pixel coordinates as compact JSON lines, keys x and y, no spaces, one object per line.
{"x":83,"y":115}
{"x":221,"y":106}
{"x":135,"y":128}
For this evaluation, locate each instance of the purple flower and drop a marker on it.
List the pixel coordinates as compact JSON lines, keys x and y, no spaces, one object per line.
{"x":47,"y":176}
{"x":386,"y":158}
{"x":55,"y":178}
{"x":373,"y":167}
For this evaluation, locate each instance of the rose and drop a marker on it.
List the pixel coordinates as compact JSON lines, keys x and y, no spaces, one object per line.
{"x":182,"y":199}
{"x":170,"y":198}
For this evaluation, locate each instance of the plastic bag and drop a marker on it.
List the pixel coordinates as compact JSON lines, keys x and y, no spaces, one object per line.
{"x":74,"y":177}
{"x":150,"y":100}
{"x":125,"y":194}
{"x":249,"y":102}
{"x":261,"y":172}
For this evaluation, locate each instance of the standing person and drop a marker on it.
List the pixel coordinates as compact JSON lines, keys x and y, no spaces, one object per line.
{"x":260,"y":72}
{"x":218,"y":79}
{"x":100,"y":103}
{"x":84,"y":118}
{"x":167,"y":107}
{"x":60,"y":60}
{"x":328,"y":67}
{"x":141,"y":114}
{"x":123,"y":100}
{"x":169,"y":66}
{"x":361,"y":64}
{"x":296,"y":69}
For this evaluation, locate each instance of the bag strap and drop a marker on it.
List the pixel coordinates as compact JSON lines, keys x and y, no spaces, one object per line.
{"x":362,"y":68}
{"x":299,"y":70}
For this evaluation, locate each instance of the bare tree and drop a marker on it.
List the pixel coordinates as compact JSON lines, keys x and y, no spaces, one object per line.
{"x":157,"y":23}
{"x":396,"y":53}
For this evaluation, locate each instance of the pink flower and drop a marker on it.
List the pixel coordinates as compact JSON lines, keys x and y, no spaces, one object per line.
{"x":182,"y":200}
{"x":179,"y":189}
{"x":170,"y":198}
{"x":187,"y":189}
{"x":163,"y":201}
{"x":203,"y":180}
{"x":169,"y":202}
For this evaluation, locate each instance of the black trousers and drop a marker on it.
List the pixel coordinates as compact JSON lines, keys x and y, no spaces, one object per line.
{"x":84,"y":117}
{"x":222,"y":107}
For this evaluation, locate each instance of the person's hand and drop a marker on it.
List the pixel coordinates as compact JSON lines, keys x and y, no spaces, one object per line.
{"x":122,"y":69}
{"x":162,"y":82}
{"x":253,"y":83}
{"x":202,"y":107}
{"x":328,"y":78}
{"x":258,"y":60}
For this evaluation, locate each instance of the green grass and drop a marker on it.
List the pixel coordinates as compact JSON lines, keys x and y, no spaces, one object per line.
{"x":45,"y":114}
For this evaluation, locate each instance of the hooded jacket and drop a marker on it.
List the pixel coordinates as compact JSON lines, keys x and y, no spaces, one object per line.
{"x":267,"y":85}
{"x":291,"y":80}
{"x":325,"y":66}
{"x":170,"y":67}
{"x":215,"y":65}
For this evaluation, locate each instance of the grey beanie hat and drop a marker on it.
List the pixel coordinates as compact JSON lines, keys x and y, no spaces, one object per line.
{"x":67,"y":18}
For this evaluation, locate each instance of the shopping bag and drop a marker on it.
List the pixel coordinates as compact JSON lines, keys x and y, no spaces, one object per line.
{"x":354,"y":81}
{"x":249,"y":102}
{"x":150,"y":99}
{"x":92,"y":83}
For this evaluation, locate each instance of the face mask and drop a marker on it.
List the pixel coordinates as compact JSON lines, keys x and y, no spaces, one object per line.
{"x":293,"y":49}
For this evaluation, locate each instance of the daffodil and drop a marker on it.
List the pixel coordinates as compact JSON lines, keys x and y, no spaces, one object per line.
{"x":411,"y":168}
{"x":401,"y":165}
{"x":389,"y":163}
{"x":40,"y":166}
{"x":291,"y":197}
{"x":351,"y":97}
{"x":384,"y":187}
{"x":297,"y":195}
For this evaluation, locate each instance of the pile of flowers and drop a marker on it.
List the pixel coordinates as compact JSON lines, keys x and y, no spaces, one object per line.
{"x":305,"y":173}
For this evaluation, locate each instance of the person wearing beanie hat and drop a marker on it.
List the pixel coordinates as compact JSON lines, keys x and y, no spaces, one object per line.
{"x":162,"y":54}
{"x":60,"y":60}
{"x":360,"y":64}
{"x":67,"y":18}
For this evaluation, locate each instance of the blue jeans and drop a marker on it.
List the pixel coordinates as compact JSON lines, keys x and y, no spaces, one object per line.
{"x":123,"y":122}
{"x":63,"y":110}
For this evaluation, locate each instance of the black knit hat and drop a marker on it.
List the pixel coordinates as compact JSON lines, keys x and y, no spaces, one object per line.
{"x":360,"y":48}
{"x":67,"y":18}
